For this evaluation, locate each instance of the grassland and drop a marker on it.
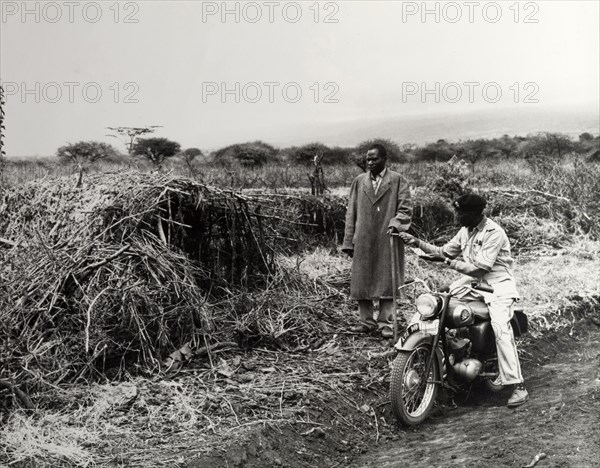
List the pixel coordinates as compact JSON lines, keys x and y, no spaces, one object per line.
{"x":289,"y":371}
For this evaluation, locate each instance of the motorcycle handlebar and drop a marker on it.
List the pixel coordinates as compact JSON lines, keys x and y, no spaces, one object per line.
{"x":431,"y":258}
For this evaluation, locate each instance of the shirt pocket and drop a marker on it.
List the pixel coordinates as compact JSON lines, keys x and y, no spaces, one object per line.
{"x":476,"y":247}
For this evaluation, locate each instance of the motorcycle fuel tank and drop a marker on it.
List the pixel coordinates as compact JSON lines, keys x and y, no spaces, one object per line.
{"x":483,"y":338}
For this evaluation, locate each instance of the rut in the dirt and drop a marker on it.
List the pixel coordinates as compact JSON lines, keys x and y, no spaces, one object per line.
{"x":562,"y":419}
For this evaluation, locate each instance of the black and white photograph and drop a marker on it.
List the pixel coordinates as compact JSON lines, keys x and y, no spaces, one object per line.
{"x":312,"y":233}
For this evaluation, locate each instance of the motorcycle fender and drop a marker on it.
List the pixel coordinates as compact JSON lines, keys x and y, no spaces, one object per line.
{"x":412,"y":341}
{"x":415,"y":340}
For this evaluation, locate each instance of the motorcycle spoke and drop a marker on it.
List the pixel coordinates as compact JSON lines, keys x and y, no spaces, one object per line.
{"x":413,"y":397}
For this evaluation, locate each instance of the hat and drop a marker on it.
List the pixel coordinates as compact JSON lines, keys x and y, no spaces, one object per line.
{"x":469,"y":202}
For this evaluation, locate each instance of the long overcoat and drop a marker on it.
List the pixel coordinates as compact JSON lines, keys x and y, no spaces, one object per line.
{"x":368,"y":217}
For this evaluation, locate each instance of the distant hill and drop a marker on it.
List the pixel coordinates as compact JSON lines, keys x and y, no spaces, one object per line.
{"x":421,"y":129}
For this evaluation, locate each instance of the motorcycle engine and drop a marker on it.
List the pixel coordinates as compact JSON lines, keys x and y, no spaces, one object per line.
{"x":459,"y":348}
{"x":468,"y":369}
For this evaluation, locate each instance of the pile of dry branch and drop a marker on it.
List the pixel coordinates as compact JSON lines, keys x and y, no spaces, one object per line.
{"x":531,"y":218}
{"x":118,"y":271}
{"x":121,"y":271}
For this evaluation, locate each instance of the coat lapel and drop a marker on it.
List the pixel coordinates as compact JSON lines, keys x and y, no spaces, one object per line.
{"x":367,"y":187}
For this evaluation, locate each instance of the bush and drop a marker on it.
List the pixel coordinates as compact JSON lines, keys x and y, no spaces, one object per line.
{"x":191,"y":153}
{"x":547,"y":144}
{"x":253,"y":154}
{"x":394,"y":152}
{"x":306,"y":154}
{"x":452,"y":179}
{"x":441,"y":150}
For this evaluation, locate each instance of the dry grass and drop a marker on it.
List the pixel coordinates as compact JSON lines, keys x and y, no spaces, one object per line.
{"x":292,"y":355}
{"x":50,"y":440}
{"x":303,"y":361}
{"x":299,"y":360}
{"x":555,"y":283}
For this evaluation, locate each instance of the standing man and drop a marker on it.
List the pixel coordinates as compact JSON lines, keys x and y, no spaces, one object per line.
{"x":484,"y":252}
{"x":379,"y":205}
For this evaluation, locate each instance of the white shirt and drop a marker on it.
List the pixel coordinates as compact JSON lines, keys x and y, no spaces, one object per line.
{"x":487,"y":247}
{"x":376,"y":179}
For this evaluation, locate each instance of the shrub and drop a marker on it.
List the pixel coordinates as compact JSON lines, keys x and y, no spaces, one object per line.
{"x":253,"y":154}
{"x":306,"y":154}
{"x":191,"y":153}
{"x":394,"y":152}
{"x":547,"y":144}
{"x":441,"y":150}
{"x":452,"y":179}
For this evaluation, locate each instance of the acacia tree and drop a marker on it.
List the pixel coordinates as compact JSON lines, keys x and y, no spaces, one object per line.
{"x":156,"y":150}
{"x":190,"y":154}
{"x":85,"y":152}
{"x":130,"y":135}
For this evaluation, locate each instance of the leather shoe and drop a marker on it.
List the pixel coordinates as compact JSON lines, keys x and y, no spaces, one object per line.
{"x":387,"y":332}
{"x":518,"y":397}
{"x":363,"y":328}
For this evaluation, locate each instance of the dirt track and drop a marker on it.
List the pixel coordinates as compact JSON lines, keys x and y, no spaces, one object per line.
{"x":562,"y":418}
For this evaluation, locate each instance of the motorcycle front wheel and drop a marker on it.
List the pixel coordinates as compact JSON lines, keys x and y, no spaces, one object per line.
{"x":412,"y":393}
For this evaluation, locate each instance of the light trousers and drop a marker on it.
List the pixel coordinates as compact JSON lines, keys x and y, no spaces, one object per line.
{"x":501,"y":312}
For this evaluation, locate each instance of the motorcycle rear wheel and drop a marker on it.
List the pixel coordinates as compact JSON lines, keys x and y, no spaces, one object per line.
{"x":492,"y":366}
{"x":411,"y":395}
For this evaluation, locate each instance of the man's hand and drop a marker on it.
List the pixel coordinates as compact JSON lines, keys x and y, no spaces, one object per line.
{"x":409,"y":239}
{"x":391,"y":231}
{"x":349,"y":252}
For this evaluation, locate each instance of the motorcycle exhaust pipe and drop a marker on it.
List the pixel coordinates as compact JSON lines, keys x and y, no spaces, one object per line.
{"x":468,"y":369}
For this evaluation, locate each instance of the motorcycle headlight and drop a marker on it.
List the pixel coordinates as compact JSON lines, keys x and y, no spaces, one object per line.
{"x":428,"y":305}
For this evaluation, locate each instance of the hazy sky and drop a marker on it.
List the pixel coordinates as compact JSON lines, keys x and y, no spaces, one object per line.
{"x":90,"y":65}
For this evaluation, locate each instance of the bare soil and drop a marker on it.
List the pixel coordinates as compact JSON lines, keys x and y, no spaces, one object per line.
{"x":561,"y":420}
{"x":325,"y":404}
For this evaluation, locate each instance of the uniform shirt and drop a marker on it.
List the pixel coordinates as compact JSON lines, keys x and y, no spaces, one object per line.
{"x":487,"y":247}
{"x":376,"y":179}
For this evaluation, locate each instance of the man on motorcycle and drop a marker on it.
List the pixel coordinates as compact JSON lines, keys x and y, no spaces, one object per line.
{"x":485,"y":251}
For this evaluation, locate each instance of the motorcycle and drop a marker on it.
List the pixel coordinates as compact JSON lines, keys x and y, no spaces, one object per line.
{"x":449,"y":343}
